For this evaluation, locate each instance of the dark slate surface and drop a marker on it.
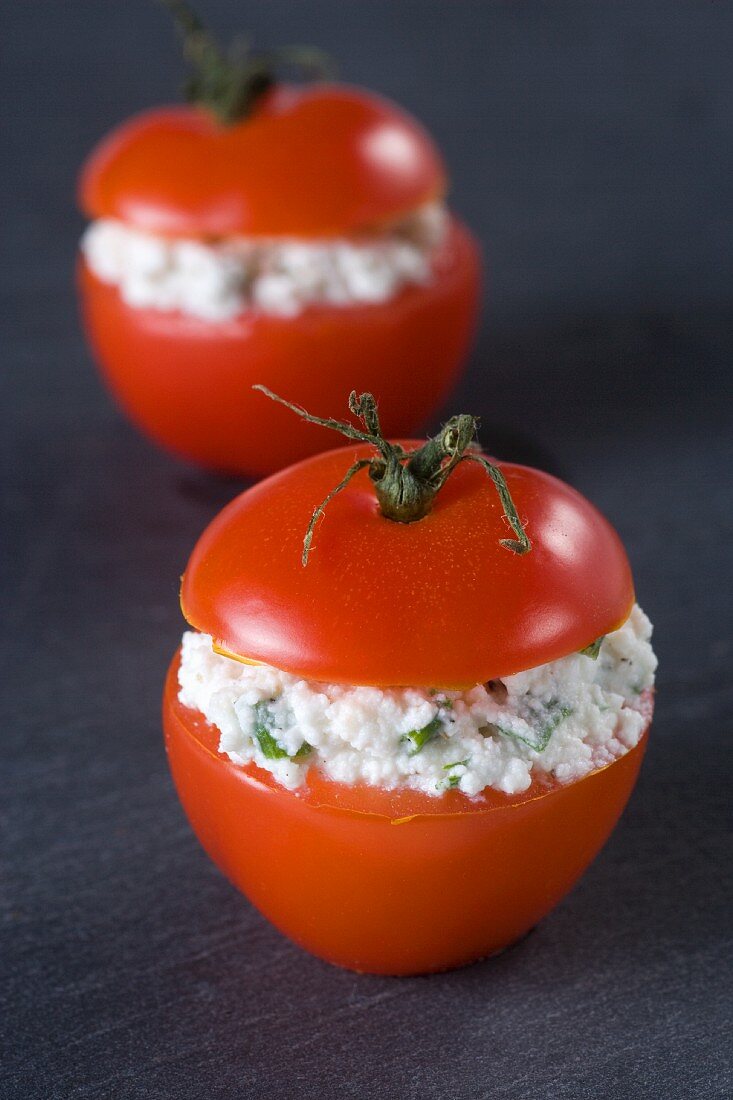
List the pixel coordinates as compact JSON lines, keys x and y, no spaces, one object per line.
{"x":588,"y":148}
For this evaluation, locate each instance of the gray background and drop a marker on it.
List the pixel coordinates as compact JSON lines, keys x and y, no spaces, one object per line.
{"x":590,"y":150}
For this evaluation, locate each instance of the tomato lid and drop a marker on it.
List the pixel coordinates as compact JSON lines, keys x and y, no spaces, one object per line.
{"x":322,"y":160}
{"x":440,"y":602}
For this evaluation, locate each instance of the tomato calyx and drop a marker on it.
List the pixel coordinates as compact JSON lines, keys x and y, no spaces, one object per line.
{"x":407,"y":482}
{"x":230,"y":84}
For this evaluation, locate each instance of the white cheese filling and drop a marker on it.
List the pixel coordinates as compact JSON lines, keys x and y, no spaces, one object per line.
{"x":561,"y":720}
{"x":218,"y":280}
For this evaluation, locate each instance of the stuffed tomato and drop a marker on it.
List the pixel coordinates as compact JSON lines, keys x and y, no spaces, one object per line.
{"x":295,"y":234}
{"x":414,"y":698}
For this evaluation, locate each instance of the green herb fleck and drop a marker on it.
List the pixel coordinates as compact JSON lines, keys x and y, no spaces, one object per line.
{"x":270,"y":747}
{"x":418,"y":739}
{"x":593,"y":649}
{"x":441,"y":700}
{"x":452,"y":781}
{"x":557,"y":713}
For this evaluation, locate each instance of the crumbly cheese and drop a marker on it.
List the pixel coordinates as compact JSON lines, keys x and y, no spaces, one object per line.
{"x":217,"y":280}
{"x":561,"y":720}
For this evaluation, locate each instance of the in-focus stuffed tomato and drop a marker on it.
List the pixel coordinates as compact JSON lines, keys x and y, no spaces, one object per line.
{"x":290,"y":233}
{"x":405,"y":736}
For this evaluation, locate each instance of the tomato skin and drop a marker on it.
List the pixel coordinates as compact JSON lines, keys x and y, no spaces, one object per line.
{"x":437,"y":603}
{"x":313,"y":161}
{"x":187,"y":383}
{"x":370,"y":892}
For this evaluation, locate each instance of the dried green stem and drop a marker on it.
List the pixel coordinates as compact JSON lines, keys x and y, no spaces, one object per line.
{"x":406,"y":482}
{"x":521,"y":544}
{"x":230,"y":83}
{"x":324,"y":422}
{"x":324,"y":503}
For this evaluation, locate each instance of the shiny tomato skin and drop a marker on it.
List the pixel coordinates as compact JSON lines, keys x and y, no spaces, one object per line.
{"x":437,"y":603}
{"x":391,"y":884}
{"x":314,"y":161}
{"x":187,"y":383}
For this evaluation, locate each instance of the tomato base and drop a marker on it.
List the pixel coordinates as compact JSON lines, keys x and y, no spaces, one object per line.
{"x":187,"y":383}
{"x":391,"y":882}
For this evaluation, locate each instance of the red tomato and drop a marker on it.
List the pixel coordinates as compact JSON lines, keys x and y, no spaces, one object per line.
{"x":321,"y":161}
{"x":391,"y":882}
{"x":398,"y":881}
{"x":187,"y":383}
{"x":437,"y":603}
{"x":317,"y":161}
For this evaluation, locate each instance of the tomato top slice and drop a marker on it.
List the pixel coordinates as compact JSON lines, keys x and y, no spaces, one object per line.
{"x":311,"y":161}
{"x":435,"y":603}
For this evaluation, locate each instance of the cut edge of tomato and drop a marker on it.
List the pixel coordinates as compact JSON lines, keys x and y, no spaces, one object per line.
{"x":224,"y":652}
{"x":464,"y":805}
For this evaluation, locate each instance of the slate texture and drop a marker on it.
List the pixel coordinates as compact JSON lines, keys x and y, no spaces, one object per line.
{"x":588,"y":147}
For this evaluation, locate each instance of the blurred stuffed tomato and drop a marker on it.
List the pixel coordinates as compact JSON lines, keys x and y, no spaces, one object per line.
{"x":294,"y":234}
